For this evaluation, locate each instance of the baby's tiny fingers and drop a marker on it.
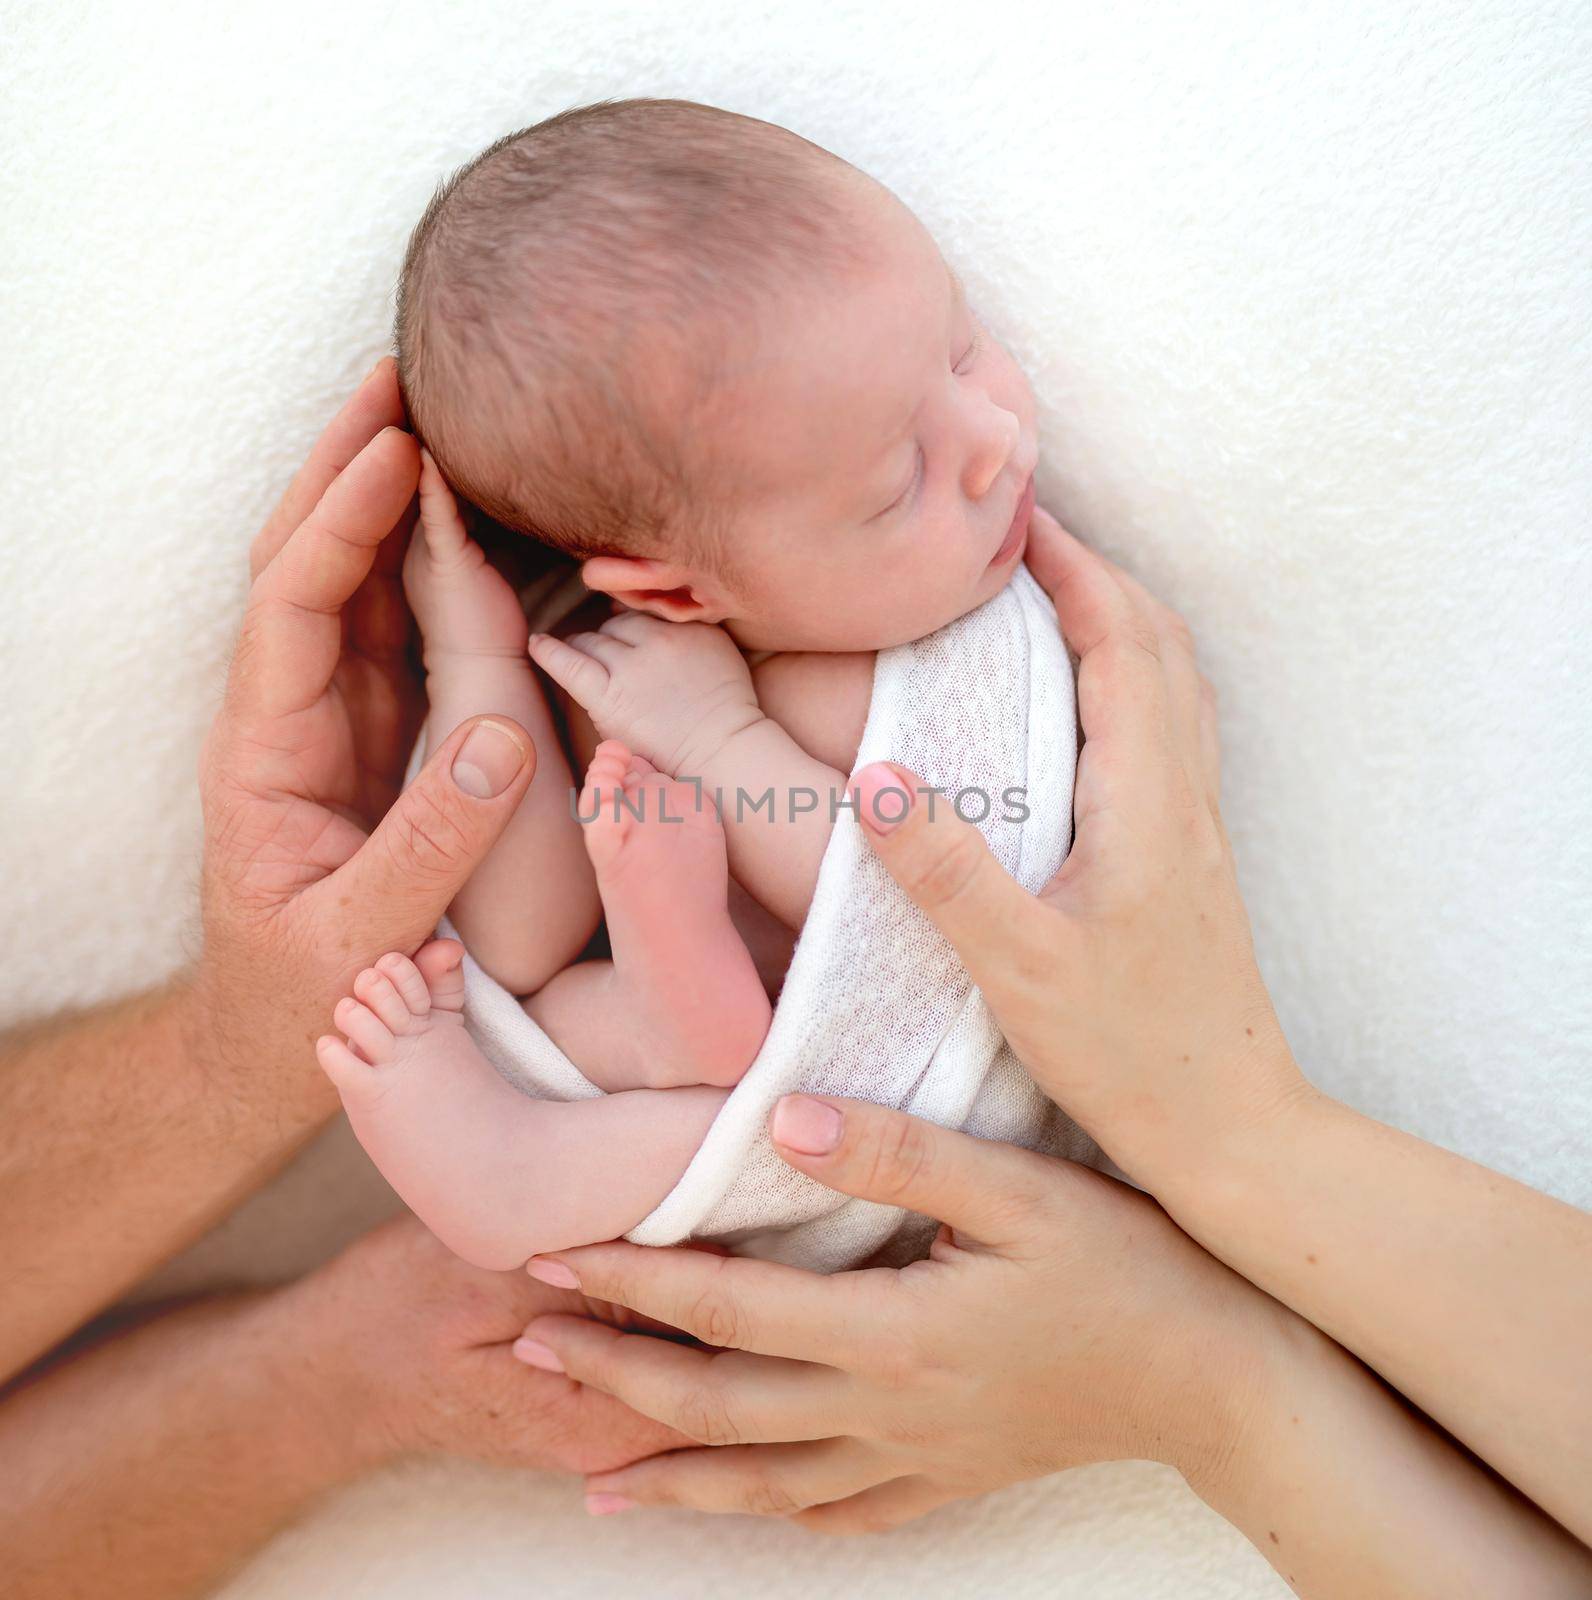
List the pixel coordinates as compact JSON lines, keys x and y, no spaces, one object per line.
{"x":634,"y":627}
{"x":579,"y":674}
{"x":446,"y":534}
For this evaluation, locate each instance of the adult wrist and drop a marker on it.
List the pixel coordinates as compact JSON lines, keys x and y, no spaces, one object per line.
{"x":1209,"y":1387}
{"x":295,"y":1413}
{"x":323,"y":1352}
{"x":1190,"y":1155}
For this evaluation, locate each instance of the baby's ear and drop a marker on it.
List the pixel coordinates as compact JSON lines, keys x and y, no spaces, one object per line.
{"x":664,"y":588}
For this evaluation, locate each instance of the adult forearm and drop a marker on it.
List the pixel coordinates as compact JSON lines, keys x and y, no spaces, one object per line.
{"x":151,"y":1463}
{"x":129,"y":1130}
{"x":1348,"y":1493}
{"x":1468,"y":1292}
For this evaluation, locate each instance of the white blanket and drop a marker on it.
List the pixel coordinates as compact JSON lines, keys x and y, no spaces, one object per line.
{"x":875,"y":1004}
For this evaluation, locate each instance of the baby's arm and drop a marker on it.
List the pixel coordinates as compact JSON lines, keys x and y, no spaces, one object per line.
{"x":532,"y":905}
{"x":681,"y":695}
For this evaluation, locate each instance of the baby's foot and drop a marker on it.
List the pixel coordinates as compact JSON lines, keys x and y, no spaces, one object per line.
{"x":662,"y":870}
{"x":442,"y":1126}
{"x":463,"y":604}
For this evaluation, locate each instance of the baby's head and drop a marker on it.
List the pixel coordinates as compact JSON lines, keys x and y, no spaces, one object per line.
{"x":727,"y":370}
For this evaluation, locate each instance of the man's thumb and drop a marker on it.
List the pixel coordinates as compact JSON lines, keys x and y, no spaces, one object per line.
{"x":408,"y":871}
{"x":944,"y":865}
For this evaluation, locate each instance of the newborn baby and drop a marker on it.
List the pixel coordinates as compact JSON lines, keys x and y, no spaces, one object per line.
{"x":734,"y":378}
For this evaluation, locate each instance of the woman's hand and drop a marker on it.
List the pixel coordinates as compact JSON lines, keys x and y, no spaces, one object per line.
{"x":1129,"y":989}
{"x":1128,"y":986}
{"x":314,"y":862}
{"x":1061,"y":1318}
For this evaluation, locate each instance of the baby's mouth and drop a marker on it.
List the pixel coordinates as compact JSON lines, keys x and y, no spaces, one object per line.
{"x":1017,"y":534}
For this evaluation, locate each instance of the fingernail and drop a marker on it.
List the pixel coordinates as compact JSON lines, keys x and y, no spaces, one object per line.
{"x":488,"y":761}
{"x":882,"y":798}
{"x":553,"y":1272}
{"x":604,"y":1505}
{"x":535,"y":1354}
{"x":807,"y":1126}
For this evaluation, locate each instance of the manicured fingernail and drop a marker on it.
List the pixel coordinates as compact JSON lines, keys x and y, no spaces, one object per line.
{"x":553,"y":1272}
{"x":807,"y":1126}
{"x":488,"y":761}
{"x":882,"y":798}
{"x":604,"y":1505}
{"x":535,"y":1354}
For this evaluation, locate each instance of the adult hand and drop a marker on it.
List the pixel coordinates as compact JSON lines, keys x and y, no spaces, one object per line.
{"x":150,"y":1463}
{"x":1128,"y":986}
{"x":1060,"y":1318}
{"x":314,"y":862}
{"x":413,"y":1350}
{"x":1130,"y":990}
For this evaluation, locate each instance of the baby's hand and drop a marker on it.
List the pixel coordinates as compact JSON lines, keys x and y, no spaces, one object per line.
{"x":675,"y":692}
{"x":463,"y":604}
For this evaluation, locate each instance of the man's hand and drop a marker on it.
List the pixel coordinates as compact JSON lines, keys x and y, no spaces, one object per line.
{"x":416,"y":1346}
{"x":314,"y":862}
{"x":149,"y":1464}
{"x":674,"y":692}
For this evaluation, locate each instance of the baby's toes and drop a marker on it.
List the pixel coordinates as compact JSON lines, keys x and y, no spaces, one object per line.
{"x":382,"y":995}
{"x":441,"y":965}
{"x":366,"y":1031}
{"x":351,"y":1074}
{"x":408,"y":980}
{"x":608,"y":764}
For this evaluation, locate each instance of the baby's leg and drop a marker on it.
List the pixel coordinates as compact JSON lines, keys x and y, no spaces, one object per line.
{"x":531,"y":906}
{"x":681,"y":1001}
{"x":496,"y":1175}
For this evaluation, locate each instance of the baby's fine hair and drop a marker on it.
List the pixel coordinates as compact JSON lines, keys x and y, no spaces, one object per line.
{"x":543,"y":271}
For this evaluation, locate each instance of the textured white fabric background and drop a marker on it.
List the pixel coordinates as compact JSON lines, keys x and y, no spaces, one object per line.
{"x":1302,"y":291}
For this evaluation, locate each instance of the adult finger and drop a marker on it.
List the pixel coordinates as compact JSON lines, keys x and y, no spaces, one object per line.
{"x":879,"y":1509}
{"x":993,"y":1193}
{"x":374,"y":405}
{"x":1179,"y":663}
{"x":946,"y":869}
{"x":590,"y":1431}
{"x":714,"y":1397}
{"x":763,"y":1480}
{"x":1210,"y":744}
{"x":292,"y":630}
{"x":391,"y":893}
{"x":1122,"y":703}
{"x":733,"y":1302}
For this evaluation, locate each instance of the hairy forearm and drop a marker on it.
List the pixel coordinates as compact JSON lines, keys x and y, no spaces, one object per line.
{"x":530,"y":907}
{"x":1348,"y":1493}
{"x":152,"y":1462}
{"x":1470,"y":1293}
{"x":128,"y":1133}
{"x":779,"y":806}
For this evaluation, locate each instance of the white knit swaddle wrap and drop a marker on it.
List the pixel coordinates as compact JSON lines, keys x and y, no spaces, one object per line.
{"x":875,"y":1005}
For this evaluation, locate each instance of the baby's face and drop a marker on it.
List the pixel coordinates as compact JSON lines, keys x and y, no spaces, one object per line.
{"x":882,"y":444}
